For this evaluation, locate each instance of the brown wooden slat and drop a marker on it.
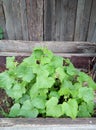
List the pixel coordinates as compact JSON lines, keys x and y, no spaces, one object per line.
{"x":68,"y":14}
{"x":2,"y":21}
{"x":48,"y":124}
{"x":92,"y":25}
{"x":82,"y":19}
{"x":17,"y":19}
{"x":35,"y":19}
{"x":7,"y":4}
{"x":57,"y":47}
{"x":24,"y":19}
{"x":46,"y":121}
{"x":49,"y":20}
{"x":58,"y":19}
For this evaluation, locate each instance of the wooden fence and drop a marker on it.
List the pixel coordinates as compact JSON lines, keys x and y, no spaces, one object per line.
{"x":49,"y":20}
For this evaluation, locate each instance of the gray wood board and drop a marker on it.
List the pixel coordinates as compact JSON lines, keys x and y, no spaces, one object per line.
{"x":35,"y":19}
{"x":68,"y":15}
{"x":47,"y":123}
{"x":49,"y":20}
{"x":92,"y":25}
{"x":58,"y":19}
{"x":2,"y":21}
{"x":21,"y":47}
{"x":24,"y":19}
{"x":7,"y":4}
{"x":82,"y":19}
{"x":17,"y":19}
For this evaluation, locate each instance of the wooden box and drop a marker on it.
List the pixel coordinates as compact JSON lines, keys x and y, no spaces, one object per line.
{"x":82,"y":55}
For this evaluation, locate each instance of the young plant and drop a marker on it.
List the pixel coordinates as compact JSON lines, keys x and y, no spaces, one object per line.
{"x":46,"y":85}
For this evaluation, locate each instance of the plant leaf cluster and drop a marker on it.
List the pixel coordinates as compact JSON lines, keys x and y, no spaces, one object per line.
{"x":45,"y":85}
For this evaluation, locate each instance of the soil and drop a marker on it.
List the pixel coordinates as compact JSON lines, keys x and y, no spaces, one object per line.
{"x":5,"y":102}
{"x":89,"y":66}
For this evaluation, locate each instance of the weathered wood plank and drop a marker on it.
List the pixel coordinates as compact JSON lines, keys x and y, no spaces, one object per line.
{"x":56,"y":53}
{"x":24,"y":19}
{"x":63,"y":20}
{"x":47,"y":124}
{"x":92,"y":25}
{"x":7,"y":4}
{"x":80,"y":10}
{"x":85,"y":20}
{"x":49,"y":20}
{"x":35,"y":19}
{"x":17,"y":19}
{"x":58,"y":19}
{"x":2,"y":21}
{"x":68,"y":14}
{"x":82,"y":19}
{"x":56,"y":47}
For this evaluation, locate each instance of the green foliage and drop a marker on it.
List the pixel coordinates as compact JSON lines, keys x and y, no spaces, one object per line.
{"x":1,"y":33}
{"x":47,"y":85}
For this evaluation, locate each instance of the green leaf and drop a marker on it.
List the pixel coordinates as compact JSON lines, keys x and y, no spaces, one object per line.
{"x":16,"y":91}
{"x":83,"y":77}
{"x":60,"y":74}
{"x":37,"y":53}
{"x":44,"y":82}
{"x":90,"y":107}
{"x":10,"y":63}
{"x":50,"y":69}
{"x":83,"y":110}
{"x":57,"y":61}
{"x":54,"y":94}
{"x":5,"y":80}
{"x":34,"y":91}
{"x":14,"y":110}
{"x":25,"y":72}
{"x":42,"y":71}
{"x":70,"y":108}
{"x":43,"y":93}
{"x":86,"y":94}
{"x":66,"y":88}
{"x":38,"y":102}
{"x":52,"y":108}
{"x":27,"y":110}
{"x":71,"y":70}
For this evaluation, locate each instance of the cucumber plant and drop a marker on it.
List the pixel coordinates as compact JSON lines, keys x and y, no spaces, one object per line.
{"x":45,"y":85}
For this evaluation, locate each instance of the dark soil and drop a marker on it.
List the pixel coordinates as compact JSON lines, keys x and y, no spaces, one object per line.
{"x":5,"y":102}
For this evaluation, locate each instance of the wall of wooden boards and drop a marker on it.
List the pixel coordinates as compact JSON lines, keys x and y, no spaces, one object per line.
{"x":48,"y":20}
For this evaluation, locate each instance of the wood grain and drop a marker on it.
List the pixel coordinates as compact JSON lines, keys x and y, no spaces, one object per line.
{"x":92,"y":25}
{"x":68,"y":15}
{"x":35,"y":19}
{"x":49,"y":20}
{"x":24,"y":23}
{"x":7,"y":4}
{"x":47,"y":124}
{"x":24,"y":47}
{"x":82,"y":19}
{"x":2,"y":21}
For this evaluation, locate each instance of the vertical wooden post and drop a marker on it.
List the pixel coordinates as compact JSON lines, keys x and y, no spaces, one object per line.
{"x":82,"y":19}
{"x":35,"y":19}
{"x":92,"y":25}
